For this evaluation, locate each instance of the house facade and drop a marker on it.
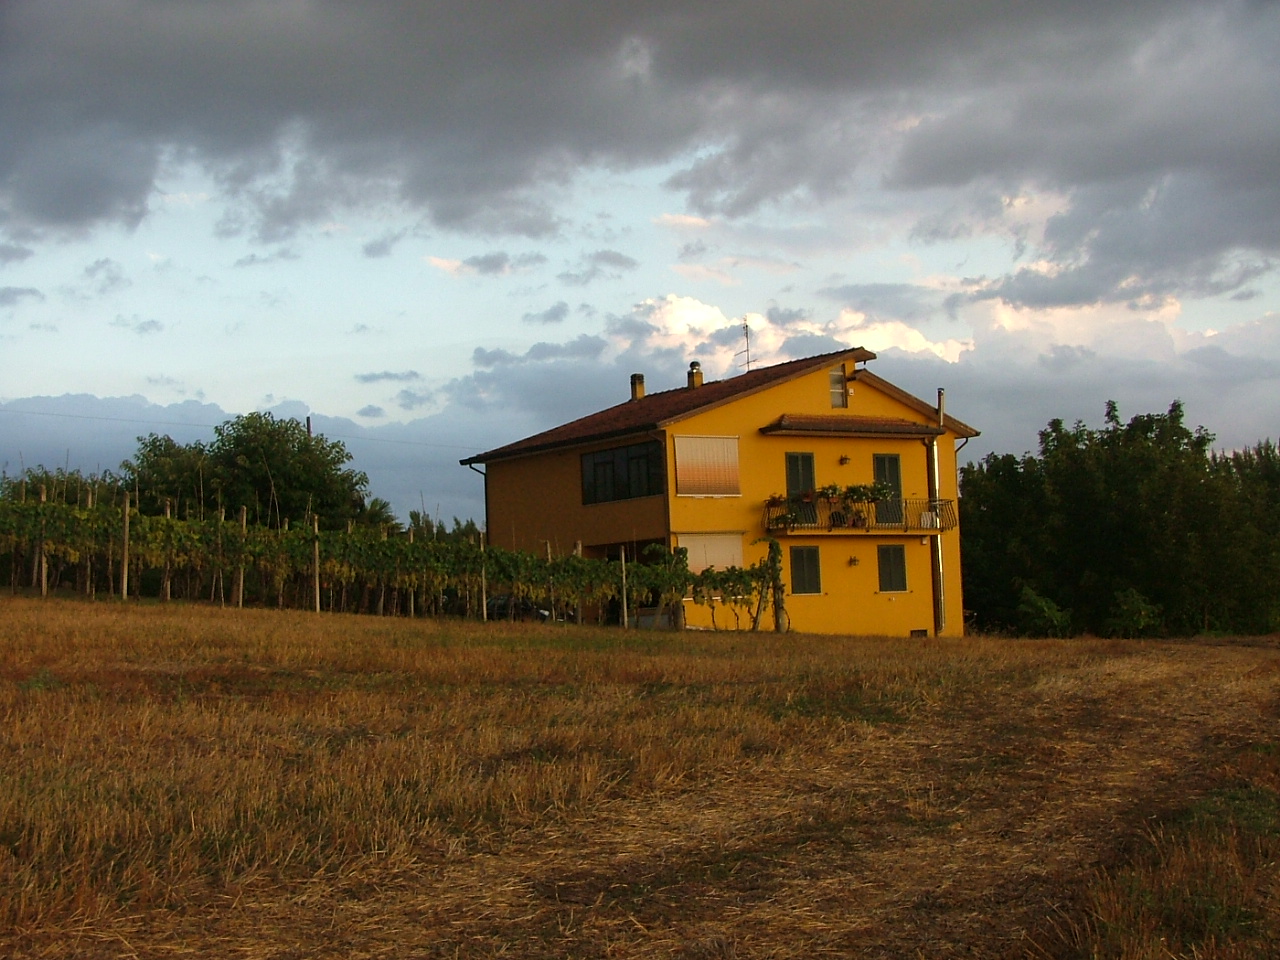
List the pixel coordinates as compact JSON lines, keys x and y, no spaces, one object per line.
{"x":853,"y":476}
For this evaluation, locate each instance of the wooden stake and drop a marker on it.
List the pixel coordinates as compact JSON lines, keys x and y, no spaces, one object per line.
{"x":124,"y":556}
{"x":244,"y":528}
{"x":315,"y":547}
{"x":44,"y":559}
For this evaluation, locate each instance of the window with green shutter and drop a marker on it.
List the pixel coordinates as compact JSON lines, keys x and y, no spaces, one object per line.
{"x":805,"y":575}
{"x":893,"y":567}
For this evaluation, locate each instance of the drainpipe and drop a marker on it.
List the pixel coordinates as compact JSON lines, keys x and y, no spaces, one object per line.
{"x":935,"y":493}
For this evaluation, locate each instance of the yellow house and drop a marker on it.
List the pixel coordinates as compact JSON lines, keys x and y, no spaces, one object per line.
{"x":853,"y":476}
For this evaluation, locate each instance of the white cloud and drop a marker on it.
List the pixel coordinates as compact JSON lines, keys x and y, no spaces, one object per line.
{"x":881,"y":335}
{"x":682,"y":221}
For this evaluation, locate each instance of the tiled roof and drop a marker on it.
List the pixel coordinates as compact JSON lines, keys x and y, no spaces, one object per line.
{"x":835,"y":425}
{"x":658,"y":409}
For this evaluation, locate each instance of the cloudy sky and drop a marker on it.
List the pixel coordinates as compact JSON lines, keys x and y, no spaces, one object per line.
{"x":439,"y":226}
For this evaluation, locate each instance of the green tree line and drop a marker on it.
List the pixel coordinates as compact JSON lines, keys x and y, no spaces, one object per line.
{"x":1134,"y":529}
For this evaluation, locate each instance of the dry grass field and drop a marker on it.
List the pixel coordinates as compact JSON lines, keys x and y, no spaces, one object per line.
{"x":191,"y":782}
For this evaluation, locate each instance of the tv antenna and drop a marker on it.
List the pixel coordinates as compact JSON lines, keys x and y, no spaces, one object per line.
{"x":745,"y":352}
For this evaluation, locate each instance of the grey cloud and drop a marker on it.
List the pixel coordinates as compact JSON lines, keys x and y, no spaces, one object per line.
{"x":489,"y":264}
{"x":1062,"y":358}
{"x":553,"y":314}
{"x":901,"y":301}
{"x":382,"y":246}
{"x":500,"y":262}
{"x":13,"y":253}
{"x":781,"y":317}
{"x":584,"y":346}
{"x":727,"y":335}
{"x":811,"y":344}
{"x":12,"y":296}
{"x":371,"y":412}
{"x":692,"y":250}
{"x":106,"y":275}
{"x":137,"y":324}
{"x":260,"y":260}
{"x":609,"y":264}
{"x":481,"y":118}
{"x":403,"y":376}
{"x":69,"y":176}
{"x":414,"y":399}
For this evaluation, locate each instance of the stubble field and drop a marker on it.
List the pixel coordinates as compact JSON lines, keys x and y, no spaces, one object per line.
{"x":190,"y":782}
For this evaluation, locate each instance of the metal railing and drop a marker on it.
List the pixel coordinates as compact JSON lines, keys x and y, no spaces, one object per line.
{"x":862,"y":516}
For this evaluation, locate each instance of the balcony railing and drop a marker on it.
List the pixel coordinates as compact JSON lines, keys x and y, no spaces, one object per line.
{"x":867,"y":516}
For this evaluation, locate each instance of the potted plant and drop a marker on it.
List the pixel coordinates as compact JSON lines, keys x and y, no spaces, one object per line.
{"x":832,"y":493}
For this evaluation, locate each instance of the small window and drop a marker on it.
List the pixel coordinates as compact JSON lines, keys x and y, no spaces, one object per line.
{"x":893,"y":568}
{"x":805,"y":576}
{"x":707,"y":467}
{"x":839,"y":387}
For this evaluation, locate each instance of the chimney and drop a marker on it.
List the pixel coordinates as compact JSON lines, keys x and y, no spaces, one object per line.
{"x":942,"y":407}
{"x":637,"y":386}
{"x":695,"y":375}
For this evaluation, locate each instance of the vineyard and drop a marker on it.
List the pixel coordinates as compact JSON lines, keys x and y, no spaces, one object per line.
{"x":98,"y":549}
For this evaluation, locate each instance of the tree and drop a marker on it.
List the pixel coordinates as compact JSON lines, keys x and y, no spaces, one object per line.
{"x":164,"y":469}
{"x":276,"y":470}
{"x":273,"y":468}
{"x":1132,"y":528}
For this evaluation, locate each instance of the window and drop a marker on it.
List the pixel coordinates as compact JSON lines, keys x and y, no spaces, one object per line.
{"x":800,"y":474}
{"x":805,"y":577}
{"x":719,"y":550}
{"x":887,"y":469}
{"x":839,"y":387}
{"x":622,"y":473}
{"x":707,"y":467}
{"x":893,"y":567}
{"x":799,"y":482}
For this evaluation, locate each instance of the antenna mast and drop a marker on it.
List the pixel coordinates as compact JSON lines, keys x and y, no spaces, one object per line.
{"x":745,"y":352}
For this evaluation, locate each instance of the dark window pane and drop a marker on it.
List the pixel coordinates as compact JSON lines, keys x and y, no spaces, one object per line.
{"x":623,"y":472}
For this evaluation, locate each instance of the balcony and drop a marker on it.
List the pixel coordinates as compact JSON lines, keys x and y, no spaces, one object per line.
{"x":822,"y":515}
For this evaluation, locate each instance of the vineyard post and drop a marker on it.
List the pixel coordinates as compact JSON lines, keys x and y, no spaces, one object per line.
{"x":44,"y":561}
{"x":315,"y":550}
{"x":577,"y":614}
{"x":166,"y":591}
{"x":222,"y":592}
{"x":244,"y":532}
{"x":413,"y":587}
{"x":88,"y":554}
{"x":124,"y":556}
{"x":551,"y":584}
{"x":484,"y":581}
{"x":624,"y":587}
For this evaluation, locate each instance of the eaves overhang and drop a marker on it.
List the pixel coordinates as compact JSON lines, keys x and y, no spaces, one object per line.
{"x":807,"y":425}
